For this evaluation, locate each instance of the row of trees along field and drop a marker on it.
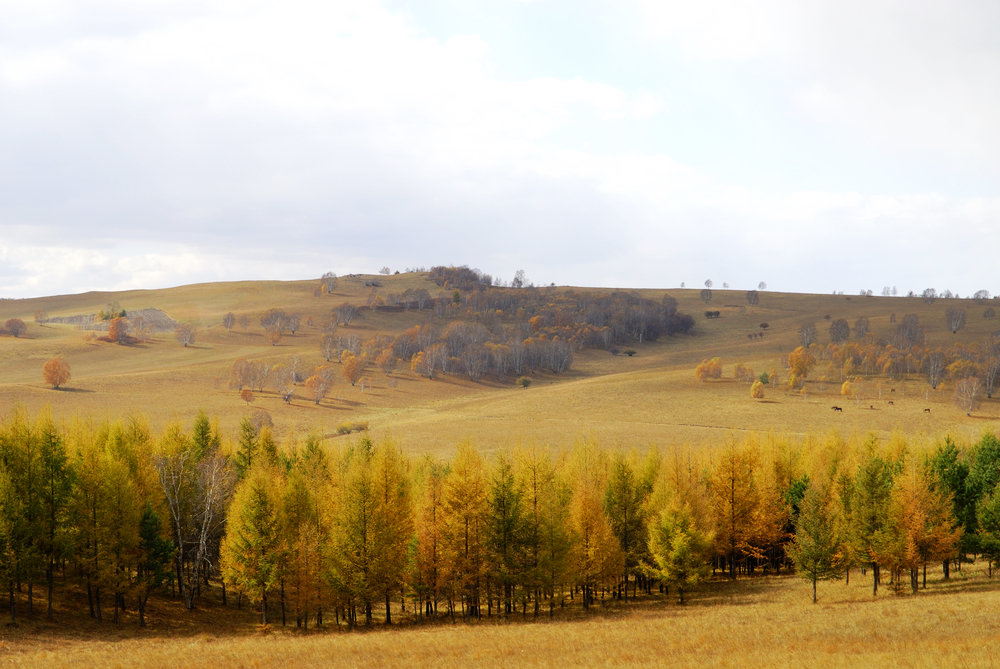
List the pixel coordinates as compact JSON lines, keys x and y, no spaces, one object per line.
{"x":310,"y":533}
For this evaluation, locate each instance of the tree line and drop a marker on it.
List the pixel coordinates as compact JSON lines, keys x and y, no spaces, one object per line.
{"x":317,"y":535}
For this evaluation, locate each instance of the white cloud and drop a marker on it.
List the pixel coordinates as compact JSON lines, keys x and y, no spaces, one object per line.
{"x":162,"y":143}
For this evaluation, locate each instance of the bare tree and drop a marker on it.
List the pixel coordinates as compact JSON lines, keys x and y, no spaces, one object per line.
{"x":185,"y":334}
{"x":15,"y":326}
{"x":967,"y":393}
{"x":706,"y":294}
{"x":955,"y":318}
{"x":840,"y":331}
{"x":991,"y":371}
{"x":934,"y":366}
{"x":807,"y":334}
{"x":329,"y":280}
{"x":196,"y":491}
{"x":860,"y":327}
{"x":228,"y":321}
{"x":753,"y":297}
{"x":344,"y":314}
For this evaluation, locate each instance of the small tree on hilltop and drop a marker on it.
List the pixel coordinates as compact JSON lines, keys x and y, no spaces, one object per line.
{"x":56,"y":372}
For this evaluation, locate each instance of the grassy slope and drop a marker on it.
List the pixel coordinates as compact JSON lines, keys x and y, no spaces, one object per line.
{"x":650,"y":398}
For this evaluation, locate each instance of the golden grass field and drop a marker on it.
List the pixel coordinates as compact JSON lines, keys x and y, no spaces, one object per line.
{"x":622,"y":402}
{"x":762,"y":621}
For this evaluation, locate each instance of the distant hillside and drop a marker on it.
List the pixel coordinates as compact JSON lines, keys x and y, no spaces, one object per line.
{"x":630,"y":377}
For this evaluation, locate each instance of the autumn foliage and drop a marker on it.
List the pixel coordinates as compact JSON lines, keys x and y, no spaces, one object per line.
{"x":708,"y":369}
{"x":56,"y":372}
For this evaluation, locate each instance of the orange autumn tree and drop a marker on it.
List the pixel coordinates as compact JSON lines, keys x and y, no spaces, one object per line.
{"x":928,"y":530}
{"x":708,"y":369}
{"x":56,"y":372}
{"x":800,"y":362}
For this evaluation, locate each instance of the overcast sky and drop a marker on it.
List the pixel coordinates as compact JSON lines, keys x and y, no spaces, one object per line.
{"x":817,"y":146}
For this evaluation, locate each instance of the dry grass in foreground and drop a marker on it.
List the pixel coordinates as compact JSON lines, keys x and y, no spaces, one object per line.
{"x":754,"y":622}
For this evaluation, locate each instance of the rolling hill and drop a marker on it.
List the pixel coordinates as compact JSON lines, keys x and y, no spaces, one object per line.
{"x":651,"y":397}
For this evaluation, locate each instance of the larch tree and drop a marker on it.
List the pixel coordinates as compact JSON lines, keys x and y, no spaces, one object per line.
{"x":625,"y":506}
{"x":427,"y":577}
{"x":872,"y":524}
{"x":465,"y":508}
{"x":393,"y":517}
{"x":155,"y":552}
{"x":20,"y":455}
{"x":505,"y":531}
{"x":595,"y":558}
{"x":815,"y":549}
{"x":735,"y":503}
{"x":927,"y":526}
{"x":302,"y":533}
{"x":252,"y":548}
{"x":680,"y":549}
{"x":55,"y":482}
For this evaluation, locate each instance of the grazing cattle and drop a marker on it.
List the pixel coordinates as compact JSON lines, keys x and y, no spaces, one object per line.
{"x":927,"y":410}
{"x":836,"y":408}
{"x":891,"y":402}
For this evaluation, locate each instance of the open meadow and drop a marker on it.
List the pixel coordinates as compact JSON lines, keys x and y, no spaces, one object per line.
{"x":640,"y":394}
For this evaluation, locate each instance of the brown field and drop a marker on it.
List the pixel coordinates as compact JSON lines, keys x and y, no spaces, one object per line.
{"x":623,"y":402}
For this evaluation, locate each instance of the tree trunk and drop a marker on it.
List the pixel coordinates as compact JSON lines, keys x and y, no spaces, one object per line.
{"x":814,"y":589}
{"x":50,"y":579}
{"x":914,"y":579}
{"x":875,"y":579}
{"x":946,"y":566}
{"x":388,"y":610}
